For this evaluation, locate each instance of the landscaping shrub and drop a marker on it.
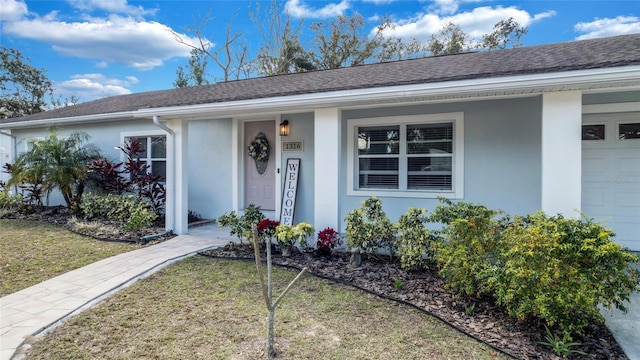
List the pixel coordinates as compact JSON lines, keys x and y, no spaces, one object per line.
{"x":289,"y":235}
{"x":542,"y":267}
{"x":108,"y":177}
{"x":31,"y":185}
{"x":135,"y":212}
{"x":469,"y":246}
{"x":413,"y":241}
{"x":369,"y":229}
{"x":8,"y":200}
{"x":241,"y":225}
{"x":55,"y":162}
{"x":9,"y":203}
{"x":131,"y":176}
{"x":560,"y":269}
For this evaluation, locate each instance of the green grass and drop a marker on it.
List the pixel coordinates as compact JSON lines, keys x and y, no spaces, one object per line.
{"x":204,"y":308}
{"x":32,"y":252}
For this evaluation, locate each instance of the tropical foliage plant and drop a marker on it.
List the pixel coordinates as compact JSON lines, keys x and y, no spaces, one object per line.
{"x":328,"y":238}
{"x":413,"y":240}
{"x":241,"y":225}
{"x":469,"y":246}
{"x":56,"y":162}
{"x":131,"y":176}
{"x":560,"y":269}
{"x":291,"y":234}
{"x":369,"y":229}
{"x":135,"y":212}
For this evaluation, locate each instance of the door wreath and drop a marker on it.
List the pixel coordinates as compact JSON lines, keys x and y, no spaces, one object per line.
{"x":259,"y":150}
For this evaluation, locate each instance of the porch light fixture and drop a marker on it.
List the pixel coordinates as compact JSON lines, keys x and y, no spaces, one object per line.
{"x":284,"y":128}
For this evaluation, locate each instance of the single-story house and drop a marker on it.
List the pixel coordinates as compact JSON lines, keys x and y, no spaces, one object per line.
{"x":552,"y":127}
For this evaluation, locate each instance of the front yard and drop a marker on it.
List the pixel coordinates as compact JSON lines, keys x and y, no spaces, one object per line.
{"x":208,"y":308}
{"x":32,"y":252}
{"x":204,"y":308}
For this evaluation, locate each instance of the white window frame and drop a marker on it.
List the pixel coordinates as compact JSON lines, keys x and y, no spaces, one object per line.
{"x":147,"y":134}
{"x":457,"y":176}
{"x":28,"y":141}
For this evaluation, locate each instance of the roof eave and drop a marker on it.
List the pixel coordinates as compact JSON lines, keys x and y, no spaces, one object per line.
{"x":69,"y":120}
{"x":586,"y":80}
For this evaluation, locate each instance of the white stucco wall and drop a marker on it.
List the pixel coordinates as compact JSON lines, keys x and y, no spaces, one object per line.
{"x":210,"y":167}
{"x":302,"y":128}
{"x":6,"y":153}
{"x":103,"y":135}
{"x":502,"y":160}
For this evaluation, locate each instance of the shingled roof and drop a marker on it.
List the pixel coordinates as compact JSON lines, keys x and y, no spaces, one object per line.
{"x":577,"y":55}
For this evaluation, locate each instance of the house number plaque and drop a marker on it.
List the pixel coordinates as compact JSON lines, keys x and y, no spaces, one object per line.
{"x":292,"y":146}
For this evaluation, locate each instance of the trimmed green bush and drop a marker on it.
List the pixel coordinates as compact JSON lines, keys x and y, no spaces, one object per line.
{"x":135,"y":213}
{"x":542,"y":267}
{"x":241,"y":225}
{"x":369,"y":229}
{"x":413,"y":241}
{"x":560,"y":269}
{"x":8,"y":200}
{"x":469,"y":246}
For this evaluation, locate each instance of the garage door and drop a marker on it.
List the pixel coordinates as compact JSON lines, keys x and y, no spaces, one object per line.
{"x":611,"y":174}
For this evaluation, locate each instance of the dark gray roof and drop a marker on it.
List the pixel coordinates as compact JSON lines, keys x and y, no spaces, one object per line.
{"x":577,"y":55}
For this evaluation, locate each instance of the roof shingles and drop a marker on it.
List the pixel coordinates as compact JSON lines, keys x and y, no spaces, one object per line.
{"x":578,"y":55}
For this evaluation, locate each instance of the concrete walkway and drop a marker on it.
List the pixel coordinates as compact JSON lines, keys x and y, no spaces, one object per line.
{"x":626,"y":327}
{"x":43,"y":306}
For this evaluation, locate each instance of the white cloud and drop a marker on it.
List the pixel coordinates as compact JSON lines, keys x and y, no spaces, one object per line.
{"x":379,"y":2}
{"x":608,"y":27}
{"x":93,"y":86}
{"x":12,"y":10}
{"x":115,"y":39}
{"x":449,"y":7}
{"x":298,"y":9}
{"x":476,"y":22}
{"x":112,"y":6}
{"x":446,"y":6}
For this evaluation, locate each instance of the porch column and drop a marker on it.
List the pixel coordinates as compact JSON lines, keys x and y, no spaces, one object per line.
{"x":177,"y":205}
{"x":326,"y":163}
{"x":562,"y":153}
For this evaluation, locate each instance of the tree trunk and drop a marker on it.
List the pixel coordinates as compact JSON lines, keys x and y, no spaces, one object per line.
{"x":356,"y":258}
{"x":271,"y":353}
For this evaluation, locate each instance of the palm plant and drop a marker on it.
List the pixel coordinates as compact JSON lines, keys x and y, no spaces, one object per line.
{"x":59,"y":162}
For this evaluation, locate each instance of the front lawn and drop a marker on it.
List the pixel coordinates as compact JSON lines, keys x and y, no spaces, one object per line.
{"x":32,"y":252}
{"x":205,"y":308}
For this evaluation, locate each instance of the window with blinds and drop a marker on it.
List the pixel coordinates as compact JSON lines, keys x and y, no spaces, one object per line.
{"x":429,"y":156}
{"x":410,"y":154}
{"x":378,"y":157}
{"x":426,"y":151}
{"x":153,"y":153}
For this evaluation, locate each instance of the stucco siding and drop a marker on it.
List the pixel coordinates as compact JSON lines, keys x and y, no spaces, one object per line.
{"x":103,"y":135}
{"x":502,"y":155}
{"x":209,"y":164}
{"x":611,"y":97}
{"x":301,"y":128}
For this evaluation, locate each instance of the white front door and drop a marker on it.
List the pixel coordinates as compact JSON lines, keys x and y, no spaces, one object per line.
{"x":260,"y":179}
{"x":611,"y":175}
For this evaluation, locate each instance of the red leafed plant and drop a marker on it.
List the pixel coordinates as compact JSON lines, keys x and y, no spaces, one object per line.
{"x":267,"y":227}
{"x":328,"y":238}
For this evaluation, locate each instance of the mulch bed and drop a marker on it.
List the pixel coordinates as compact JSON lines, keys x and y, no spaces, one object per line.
{"x":59,"y":215}
{"x":426,"y":290}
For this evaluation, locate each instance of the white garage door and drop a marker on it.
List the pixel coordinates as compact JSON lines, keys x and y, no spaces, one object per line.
{"x":611,"y":174}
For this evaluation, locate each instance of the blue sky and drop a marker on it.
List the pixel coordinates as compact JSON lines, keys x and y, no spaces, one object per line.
{"x":98,"y":48}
